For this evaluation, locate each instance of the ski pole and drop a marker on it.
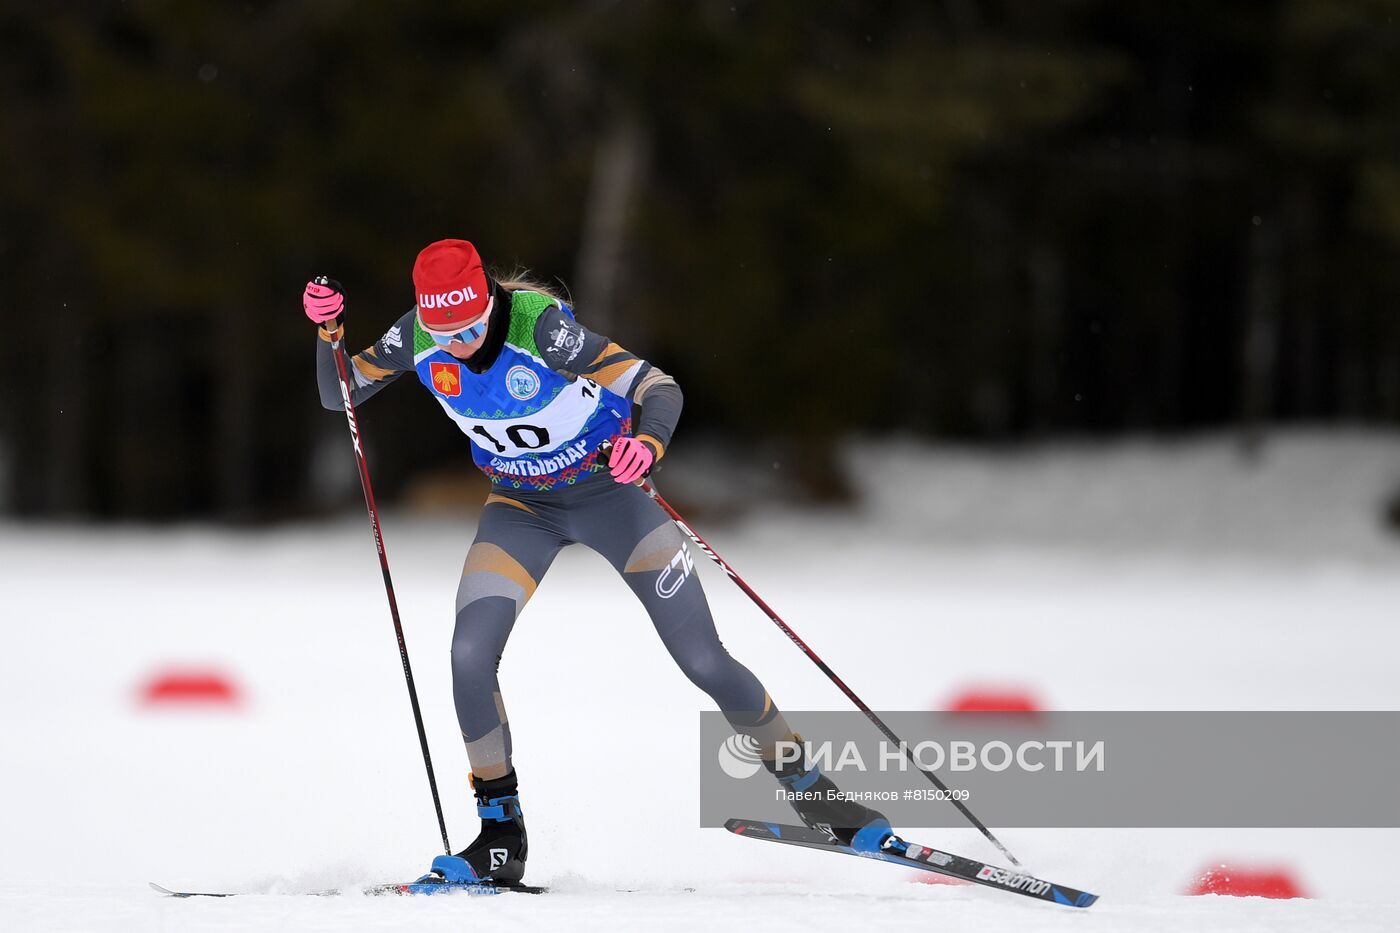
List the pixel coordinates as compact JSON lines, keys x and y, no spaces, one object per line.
{"x":870,"y":714}
{"x":338,"y":352}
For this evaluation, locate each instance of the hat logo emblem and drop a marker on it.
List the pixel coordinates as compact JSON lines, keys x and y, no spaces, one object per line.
{"x":447,"y":299}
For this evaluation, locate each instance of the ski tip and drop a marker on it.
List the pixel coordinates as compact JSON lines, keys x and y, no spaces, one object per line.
{"x":161,"y":889}
{"x":1080,"y":898}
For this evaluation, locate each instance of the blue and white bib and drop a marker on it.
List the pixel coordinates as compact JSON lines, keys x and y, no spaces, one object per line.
{"x":530,"y":425}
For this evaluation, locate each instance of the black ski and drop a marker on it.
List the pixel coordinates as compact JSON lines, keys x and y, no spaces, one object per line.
{"x":899,"y":852}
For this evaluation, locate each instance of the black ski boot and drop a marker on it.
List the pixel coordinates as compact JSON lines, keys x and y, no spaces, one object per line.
{"x":498,"y":853}
{"x":821,"y":806}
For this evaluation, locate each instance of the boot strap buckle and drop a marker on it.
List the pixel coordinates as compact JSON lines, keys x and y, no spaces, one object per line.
{"x":498,"y":809}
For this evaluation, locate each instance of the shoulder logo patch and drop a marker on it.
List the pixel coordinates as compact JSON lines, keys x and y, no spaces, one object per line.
{"x":522,"y":383}
{"x":447,"y":378}
{"x":566,"y":341}
{"x":394,"y":338}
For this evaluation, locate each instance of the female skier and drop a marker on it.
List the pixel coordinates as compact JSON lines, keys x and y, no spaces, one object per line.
{"x":538,"y":394}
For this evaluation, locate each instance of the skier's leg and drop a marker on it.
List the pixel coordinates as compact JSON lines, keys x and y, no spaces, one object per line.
{"x":514,"y":547}
{"x":624,"y":525}
{"x":654,"y":558}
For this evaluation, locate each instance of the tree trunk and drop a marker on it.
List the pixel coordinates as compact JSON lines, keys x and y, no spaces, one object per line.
{"x":233,"y":446}
{"x":1259,"y":348}
{"x":618,"y":169}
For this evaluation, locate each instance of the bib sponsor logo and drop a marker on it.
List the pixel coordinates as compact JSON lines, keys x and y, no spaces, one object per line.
{"x":447,"y":299}
{"x":522,"y":383}
{"x":447,"y":378}
{"x":1012,"y":880}
{"x":674,"y":574}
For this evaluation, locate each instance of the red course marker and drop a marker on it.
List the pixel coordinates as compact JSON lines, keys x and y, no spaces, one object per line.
{"x":994,"y":700}
{"x":207,"y":688}
{"x":1247,"y":881}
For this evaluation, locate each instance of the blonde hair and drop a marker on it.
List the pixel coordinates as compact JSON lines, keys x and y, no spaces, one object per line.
{"x":519,"y":278}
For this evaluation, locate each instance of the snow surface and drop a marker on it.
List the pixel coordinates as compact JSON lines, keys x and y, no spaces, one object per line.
{"x":316,"y":780}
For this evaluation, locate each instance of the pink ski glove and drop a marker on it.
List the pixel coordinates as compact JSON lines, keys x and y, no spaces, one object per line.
{"x":630,"y":459}
{"x":323,"y":301}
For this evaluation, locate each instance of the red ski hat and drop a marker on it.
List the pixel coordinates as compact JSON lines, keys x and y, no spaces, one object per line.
{"x":449,"y":284}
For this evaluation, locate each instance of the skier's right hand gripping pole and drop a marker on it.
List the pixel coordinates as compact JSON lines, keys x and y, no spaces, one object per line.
{"x":603,"y":453}
{"x":323,"y":301}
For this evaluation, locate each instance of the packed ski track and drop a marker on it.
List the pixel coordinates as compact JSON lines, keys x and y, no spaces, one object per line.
{"x":312,"y":778}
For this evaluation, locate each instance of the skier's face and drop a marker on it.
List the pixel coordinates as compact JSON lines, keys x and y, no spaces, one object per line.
{"x":464,"y":340}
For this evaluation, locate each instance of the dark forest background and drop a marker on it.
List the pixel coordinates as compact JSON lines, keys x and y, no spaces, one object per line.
{"x":981,"y":220}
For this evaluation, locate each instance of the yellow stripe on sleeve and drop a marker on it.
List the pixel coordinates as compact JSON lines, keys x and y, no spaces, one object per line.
{"x":608,"y":351}
{"x":369,"y":370}
{"x":611,"y":373}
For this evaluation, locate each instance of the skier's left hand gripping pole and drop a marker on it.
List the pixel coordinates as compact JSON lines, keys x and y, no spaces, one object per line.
{"x":338,"y":352}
